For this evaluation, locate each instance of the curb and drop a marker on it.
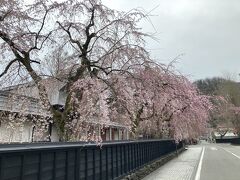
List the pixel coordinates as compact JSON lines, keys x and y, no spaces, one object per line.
{"x":193,"y":176}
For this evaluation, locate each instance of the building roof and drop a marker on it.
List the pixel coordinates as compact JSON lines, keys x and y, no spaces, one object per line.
{"x":13,"y":102}
{"x":19,"y":103}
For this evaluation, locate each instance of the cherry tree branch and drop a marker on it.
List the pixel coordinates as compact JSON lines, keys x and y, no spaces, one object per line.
{"x":70,"y":35}
{"x":5,"y":15}
{"x":8,"y":67}
{"x":37,"y":35}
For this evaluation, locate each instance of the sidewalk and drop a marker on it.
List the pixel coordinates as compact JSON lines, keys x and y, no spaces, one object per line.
{"x":180,"y":168}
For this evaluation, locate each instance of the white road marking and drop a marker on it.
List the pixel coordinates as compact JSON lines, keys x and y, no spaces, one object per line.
{"x":213,"y":148}
{"x":231,"y":153}
{"x":198,"y":174}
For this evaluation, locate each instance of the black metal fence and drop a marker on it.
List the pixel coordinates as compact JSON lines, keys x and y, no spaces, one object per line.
{"x":233,"y":140}
{"x":73,"y":161}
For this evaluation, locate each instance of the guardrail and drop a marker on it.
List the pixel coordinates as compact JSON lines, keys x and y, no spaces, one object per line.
{"x":78,"y":161}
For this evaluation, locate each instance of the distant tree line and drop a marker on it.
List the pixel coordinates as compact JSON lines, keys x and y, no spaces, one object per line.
{"x":225,"y":95}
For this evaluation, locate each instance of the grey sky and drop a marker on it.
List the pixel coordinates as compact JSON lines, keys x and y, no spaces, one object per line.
{"x":207,"y":32}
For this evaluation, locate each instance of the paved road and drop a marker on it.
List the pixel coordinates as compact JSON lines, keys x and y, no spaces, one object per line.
{"x":220,"y":162}
{"x":202,"y":162}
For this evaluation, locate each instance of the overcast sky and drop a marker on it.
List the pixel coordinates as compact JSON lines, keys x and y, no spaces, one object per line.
{"x":205,"y":32}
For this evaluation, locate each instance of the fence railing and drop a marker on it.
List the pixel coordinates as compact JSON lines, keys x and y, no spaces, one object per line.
{"x":73,"y":161}
{"x":232,"y":140}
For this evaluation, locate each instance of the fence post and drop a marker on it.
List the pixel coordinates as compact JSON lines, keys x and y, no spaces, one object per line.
{"x":94,"y":166}
{"x":54,"y":165}
{"x":176,"y":148}
{"x":125,"y":158}
{"x":106,"y":163}
{"x":77,"y":163}
{"x":100,"y":158}
{"x":86,"y":163}
{"x":1,"y":166}
{"x":117,"y":163}
{"x":121,"y":157}
{"x":39,"y":166}
{"x":22,"y":166}
{"x":112,"y":174}
{"x":66,"y":166}
{"x":129,"y":159}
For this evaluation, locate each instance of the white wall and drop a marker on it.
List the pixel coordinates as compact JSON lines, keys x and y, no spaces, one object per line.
{"x":54,"y":137}
{"x":107,"y":135}
{"x":53,"y":87}
{"x":53,"y":90}
{"x":8,"y":135}
{"x":62,"y":98}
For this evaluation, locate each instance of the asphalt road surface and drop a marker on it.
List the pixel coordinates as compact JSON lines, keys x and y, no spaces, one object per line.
{"x":219,"y":162}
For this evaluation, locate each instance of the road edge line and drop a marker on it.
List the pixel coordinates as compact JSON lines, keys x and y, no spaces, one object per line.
{"x":231,"y":153}
{"x":198,"y":173}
